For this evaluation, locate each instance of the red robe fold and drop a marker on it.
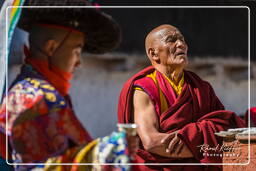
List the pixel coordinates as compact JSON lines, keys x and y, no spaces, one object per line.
{"x":196,"y":112}
{"x":252,"y":115}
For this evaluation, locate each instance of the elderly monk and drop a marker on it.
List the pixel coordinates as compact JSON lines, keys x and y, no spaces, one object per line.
{"x":41,"y":122}
{"x":176,"y":111}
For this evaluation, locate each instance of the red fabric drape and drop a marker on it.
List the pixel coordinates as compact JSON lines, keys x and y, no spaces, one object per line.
{"x":124,"y":103}
{"x":196,"y":112}
{"x":252,"y":116}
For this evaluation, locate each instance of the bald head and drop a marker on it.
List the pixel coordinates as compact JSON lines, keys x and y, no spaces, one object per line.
{"x":166,"y":47}
{"x":157,"y":34}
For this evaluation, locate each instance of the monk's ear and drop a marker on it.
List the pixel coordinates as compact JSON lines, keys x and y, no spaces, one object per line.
{"x":50,"y":47}
{"x":153,"y":55}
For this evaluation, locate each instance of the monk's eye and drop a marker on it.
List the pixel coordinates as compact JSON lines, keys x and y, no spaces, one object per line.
{"x":171,"y":39}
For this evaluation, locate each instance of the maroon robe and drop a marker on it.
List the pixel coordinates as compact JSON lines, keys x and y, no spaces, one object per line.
{"x":196,"y":112}
{"x":252,"y":115}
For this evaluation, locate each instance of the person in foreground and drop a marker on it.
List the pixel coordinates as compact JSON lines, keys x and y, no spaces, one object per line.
{"x":38,"y":108}
{"x":177,"y":112}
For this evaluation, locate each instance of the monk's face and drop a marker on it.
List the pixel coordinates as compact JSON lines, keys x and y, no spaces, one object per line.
{"x":170,"y":47}
{"x":68,"y":55}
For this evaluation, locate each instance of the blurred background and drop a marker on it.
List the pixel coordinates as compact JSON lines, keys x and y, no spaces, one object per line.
{"x":218,"y":52}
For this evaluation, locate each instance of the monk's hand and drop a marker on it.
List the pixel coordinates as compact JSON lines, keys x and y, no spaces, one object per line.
{"x":175,"y":146}
{"x":172,"y":142}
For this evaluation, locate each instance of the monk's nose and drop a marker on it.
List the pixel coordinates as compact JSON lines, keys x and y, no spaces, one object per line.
{"x":180,"y":44}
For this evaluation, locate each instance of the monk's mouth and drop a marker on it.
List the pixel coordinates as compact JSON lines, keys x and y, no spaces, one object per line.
{"x":180,"y":54}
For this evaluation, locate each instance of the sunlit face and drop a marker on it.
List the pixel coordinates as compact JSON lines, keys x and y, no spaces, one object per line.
{"x":171,"y":47}
{"x":68,"y":56}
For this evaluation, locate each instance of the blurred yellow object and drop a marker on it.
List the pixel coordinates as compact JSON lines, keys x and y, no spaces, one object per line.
{"x":85,"y":154}
{"x":68,"y":157}
{"x":88,"y":154}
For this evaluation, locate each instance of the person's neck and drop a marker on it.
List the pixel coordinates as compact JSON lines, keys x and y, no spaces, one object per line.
{"x":174,"y":74}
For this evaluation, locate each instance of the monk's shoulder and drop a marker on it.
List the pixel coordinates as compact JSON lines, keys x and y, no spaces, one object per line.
{"x":146,"y":83}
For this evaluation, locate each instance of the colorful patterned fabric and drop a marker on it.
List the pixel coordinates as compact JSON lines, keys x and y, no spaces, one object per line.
{"x":109,"y":149}
{"x":114,"y":149}
{"x":41,"y":122}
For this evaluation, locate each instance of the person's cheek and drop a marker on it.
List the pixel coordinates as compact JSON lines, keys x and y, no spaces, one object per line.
{"x":75,"y":62}
{"x":68,"y":63}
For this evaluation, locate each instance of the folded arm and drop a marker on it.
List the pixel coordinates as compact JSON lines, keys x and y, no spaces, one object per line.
{"x":163,"y":144}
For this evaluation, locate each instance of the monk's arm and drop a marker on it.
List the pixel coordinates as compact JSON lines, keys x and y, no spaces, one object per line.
{"x":146,"y":117}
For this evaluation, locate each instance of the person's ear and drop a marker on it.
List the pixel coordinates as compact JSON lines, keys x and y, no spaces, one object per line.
{"x":50,"y":47}
{"x":153,"y":55}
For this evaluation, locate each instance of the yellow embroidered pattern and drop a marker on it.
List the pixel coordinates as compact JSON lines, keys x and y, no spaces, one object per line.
{"x":62,"y":103}
{"x":51,"y":97}
{"x":48,"y":87}
{"x":35,"y":82}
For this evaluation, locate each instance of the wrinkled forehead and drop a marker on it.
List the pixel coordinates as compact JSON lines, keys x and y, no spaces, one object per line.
{"x":165,"y":32}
